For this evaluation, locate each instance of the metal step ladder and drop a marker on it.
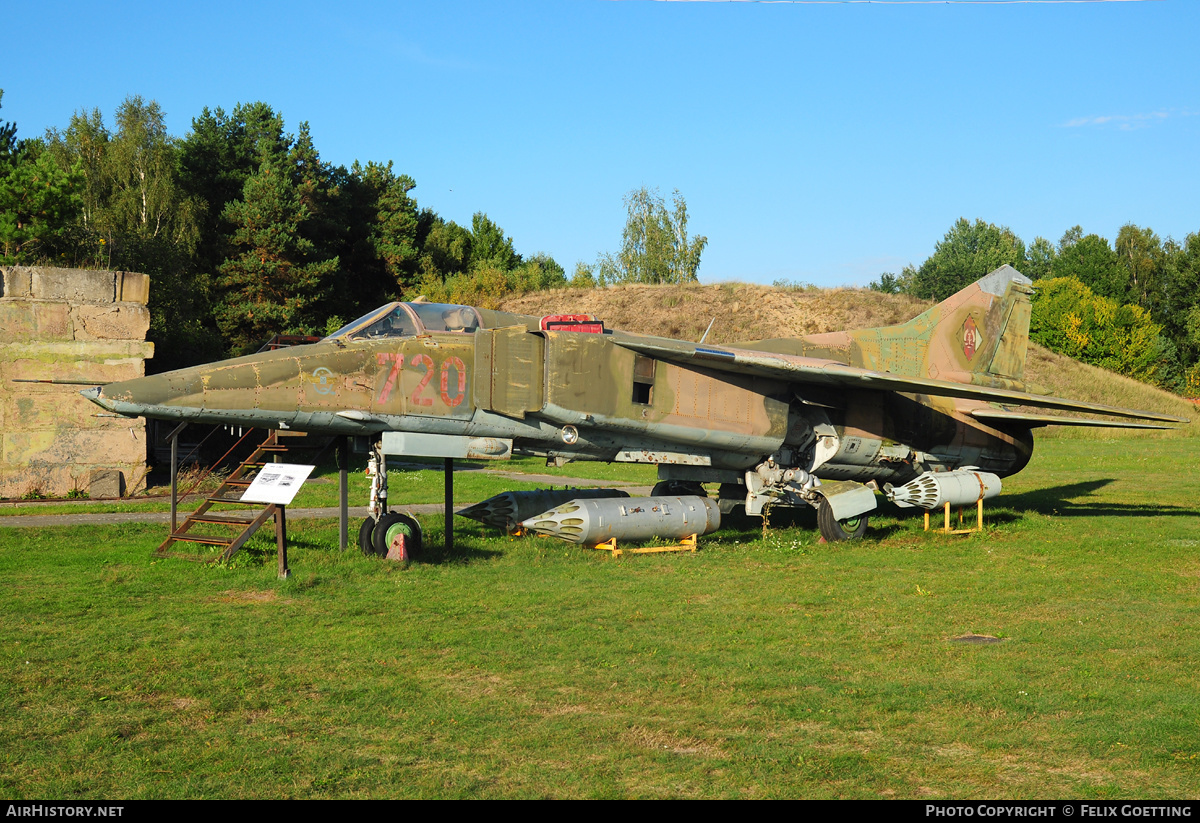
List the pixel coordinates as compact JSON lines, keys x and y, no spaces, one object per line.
{"x":235,"y":527}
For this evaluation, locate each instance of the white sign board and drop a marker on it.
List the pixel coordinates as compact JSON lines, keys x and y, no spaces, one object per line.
{"x":277,"y":483}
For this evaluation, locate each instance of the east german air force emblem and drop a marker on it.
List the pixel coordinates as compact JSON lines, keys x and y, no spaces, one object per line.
{"x":972,"y":339}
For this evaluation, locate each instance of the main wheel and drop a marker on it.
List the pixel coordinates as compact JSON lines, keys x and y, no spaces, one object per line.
{"x":677,"y":488}
{"x":398,"y":536}
{"x":833,"y":530}
{"x":730,"y":496}
{"x":364,"y":536}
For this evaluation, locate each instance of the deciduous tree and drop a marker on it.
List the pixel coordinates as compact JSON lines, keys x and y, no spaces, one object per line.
{"x":1140,"y":254}
{"x":655,"y":246}
{"x":489,"y":245}
{"x":965,"y":254}
{"x":1091,"y":261}
{"x":1070,"y":318}
{"x":1039,"y":259}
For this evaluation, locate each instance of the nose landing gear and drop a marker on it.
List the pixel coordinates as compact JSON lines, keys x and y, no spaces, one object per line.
{"x":387,"y":534}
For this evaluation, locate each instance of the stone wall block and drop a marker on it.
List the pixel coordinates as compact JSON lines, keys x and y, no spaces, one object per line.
{"x":16,"y":448}
{"x":59,"y":481}
{"x":133,"y":287}
{"x":52,"y":320}
{"x":72,"y":285}
{"x":126,"y":444}
{"x":106,"y":483}
{"x":25,"y":320}
{"x":16,"y":320}
{"x":16,"y":282}
{"x":79,"y":325}
{"x":62,"y":366}
{"x":46,"y":480}
{"x":118,"y":321}
{"x":53,"y":407}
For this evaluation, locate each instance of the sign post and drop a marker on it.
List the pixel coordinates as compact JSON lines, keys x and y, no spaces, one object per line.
{"x":277,"y":484}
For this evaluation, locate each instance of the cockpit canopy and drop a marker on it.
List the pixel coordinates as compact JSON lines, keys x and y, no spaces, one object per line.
{"x":409,"y":320}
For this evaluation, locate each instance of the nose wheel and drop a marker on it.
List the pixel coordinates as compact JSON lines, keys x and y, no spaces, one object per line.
{"x":364,"y":536}
{"x":396,"y":536}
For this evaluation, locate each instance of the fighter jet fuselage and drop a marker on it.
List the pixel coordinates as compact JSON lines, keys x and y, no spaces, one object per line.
{"x":787,"y":420}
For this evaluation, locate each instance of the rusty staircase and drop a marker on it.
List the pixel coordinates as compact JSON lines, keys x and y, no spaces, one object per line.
{"x":239,"y":526}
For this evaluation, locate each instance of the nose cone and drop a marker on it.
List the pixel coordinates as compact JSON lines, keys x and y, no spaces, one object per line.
{"x":105,"y":402}
{"x":507,"y":510}
{"x":141,"y":397}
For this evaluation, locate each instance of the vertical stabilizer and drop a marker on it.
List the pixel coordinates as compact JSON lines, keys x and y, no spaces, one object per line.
{"x":983,"y":331}
{"x":978,"y":335}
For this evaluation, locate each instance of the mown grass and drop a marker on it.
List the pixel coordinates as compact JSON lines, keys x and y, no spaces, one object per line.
{"x":529,"y":668}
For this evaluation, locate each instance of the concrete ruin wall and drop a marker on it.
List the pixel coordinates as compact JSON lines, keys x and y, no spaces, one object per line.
{"x":69,"y":324}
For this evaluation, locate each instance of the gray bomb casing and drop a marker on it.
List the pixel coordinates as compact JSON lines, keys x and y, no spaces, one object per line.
{"x":591,"y":522}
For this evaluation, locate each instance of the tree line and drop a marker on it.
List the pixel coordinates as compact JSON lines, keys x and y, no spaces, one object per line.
{"x":244,"y":229}
{"x":248,"y":233}
{"x":1132,"y":306}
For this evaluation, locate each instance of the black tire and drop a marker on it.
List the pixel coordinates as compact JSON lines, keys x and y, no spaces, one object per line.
{"x":364,"y":536}
{"x":731,"y":496}
{"x":678,"y":488}
{"x":852,"y":528}
{"x":392,"y":525}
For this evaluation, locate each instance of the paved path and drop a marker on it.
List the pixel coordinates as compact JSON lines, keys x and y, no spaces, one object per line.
{"x":554,"y":479}
{"x":23,"y":521}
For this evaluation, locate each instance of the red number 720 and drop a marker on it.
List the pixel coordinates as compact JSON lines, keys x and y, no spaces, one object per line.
{"x":397,"y":361}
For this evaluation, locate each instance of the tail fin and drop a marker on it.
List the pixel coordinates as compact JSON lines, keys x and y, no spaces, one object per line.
{"x":978,"y":335}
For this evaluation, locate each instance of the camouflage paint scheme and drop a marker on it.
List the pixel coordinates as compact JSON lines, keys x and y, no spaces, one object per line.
{"x":765,"y":419}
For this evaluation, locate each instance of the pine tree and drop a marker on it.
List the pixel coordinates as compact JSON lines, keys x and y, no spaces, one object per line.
{"x":277,"y":281}
{"x":38,"y":201}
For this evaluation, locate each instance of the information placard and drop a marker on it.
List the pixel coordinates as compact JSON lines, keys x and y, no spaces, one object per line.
{"x":277,"y":483}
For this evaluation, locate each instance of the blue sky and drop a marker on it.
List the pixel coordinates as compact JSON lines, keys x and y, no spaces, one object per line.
{"x":824,"y":143}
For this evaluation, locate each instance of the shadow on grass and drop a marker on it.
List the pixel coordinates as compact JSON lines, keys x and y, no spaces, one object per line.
{"x":466,"y":548}
{"x":1056,"y":501}
{"x":1068,"y":500}
{"x":742,"y":527}
{"x":1062,"y":501}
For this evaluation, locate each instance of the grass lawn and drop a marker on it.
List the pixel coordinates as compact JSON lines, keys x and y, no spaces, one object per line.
{"x":757,"y":667}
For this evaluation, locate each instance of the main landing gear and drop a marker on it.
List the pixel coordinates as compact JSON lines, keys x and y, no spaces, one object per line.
{"x":833,"y":529}
{"x":678,"y":488}
{"x":385,"y":533}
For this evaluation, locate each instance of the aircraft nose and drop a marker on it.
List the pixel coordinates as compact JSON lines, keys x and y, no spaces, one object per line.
{"x":96,"y":395}
{"x":130,"y":397}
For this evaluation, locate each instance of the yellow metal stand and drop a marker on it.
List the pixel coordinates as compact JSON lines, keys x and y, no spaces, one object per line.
{"x":687,"y":544}
{"x":947,"y":530}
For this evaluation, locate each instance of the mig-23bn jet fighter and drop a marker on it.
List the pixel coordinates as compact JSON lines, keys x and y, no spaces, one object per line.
{"x":821,"y":420}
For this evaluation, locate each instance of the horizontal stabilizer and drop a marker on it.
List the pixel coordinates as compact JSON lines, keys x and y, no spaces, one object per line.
{"x":817,"y":371}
